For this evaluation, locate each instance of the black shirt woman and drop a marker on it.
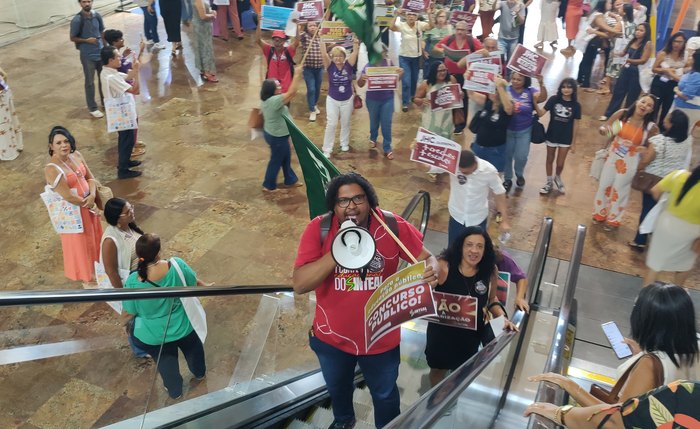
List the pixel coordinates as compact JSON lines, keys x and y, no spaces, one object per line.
{"x":467,"y":267}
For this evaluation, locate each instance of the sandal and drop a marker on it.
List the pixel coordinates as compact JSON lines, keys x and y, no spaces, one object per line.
{"x":603,"y":91}
{"x":137,"y":151}
{"x":539,"y":45}
{"x":372,"y":144}
{"x":636,"y":246}
{"x":209,"y":77}
{"x":389,"y":155}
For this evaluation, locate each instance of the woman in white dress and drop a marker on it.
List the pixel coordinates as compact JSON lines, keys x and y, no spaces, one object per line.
{"x":548,"y":24}
{"x":10,"y":131}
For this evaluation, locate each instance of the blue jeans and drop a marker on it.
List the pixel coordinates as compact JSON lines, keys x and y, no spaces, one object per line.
{"x":409,"y":81}
{"x":507,"y":46}
{"x":313,"y":78}
{"x":517,"y":151}
{"x":150,"y":25}
{"x":280,"y":157}
{"x":495,"y":155}
{"x":381,"y":114}
{"x":455,"y":228}
{"x":380,"y":371}
{"x":648,"y":202}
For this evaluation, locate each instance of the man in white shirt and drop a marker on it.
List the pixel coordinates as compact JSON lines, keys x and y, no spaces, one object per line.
{"x":469,"y":195}
{"x":114,"y":85}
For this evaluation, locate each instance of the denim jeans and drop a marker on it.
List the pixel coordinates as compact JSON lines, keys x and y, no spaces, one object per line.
{"x":455,"y":228}
{"x":409,"y":81}
{"x":381,"y":114}
{"x":648,"y":202}
{"x":507,"y":46}
{"x":517,"y":151}
{"x":495,"y":155}
{"x":150,"y":25}
{"x":168,"y":365}
{"x":280,"y":157}
{"x":90,"y":67}
{"x":313,"y":79}
{"x":126,"y":140}
{"x":380,"y":371}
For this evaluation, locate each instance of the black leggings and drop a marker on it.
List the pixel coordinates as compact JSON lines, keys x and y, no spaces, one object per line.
{"x":663,"y":90}
{"x":585,"y":67}
{"x":171,"y":11}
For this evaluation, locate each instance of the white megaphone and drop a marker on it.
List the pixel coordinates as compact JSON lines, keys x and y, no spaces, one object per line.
{"x":353,"y":247}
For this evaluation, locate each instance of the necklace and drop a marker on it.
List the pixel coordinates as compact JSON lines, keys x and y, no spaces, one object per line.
{"x":75,"y":171}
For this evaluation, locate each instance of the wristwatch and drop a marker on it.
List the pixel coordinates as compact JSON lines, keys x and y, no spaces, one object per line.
{"x":560,"y":413}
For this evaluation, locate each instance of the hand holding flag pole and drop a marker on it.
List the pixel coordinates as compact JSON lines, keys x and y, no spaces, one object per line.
{"x":392,"y":235}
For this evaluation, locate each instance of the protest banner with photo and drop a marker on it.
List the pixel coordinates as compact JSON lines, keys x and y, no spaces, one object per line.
{"x":334,"y":32}
{"x":436,"y":151}
{"x":309,"y":11}
{"x":460,"y":15}
{"x":415,"y":5}
{"x":403,"y":296}
{"x":526,"y":62}
{"x":455,"y":54}
{"x":481,"y":77}
{"x":383,"y":14}
{"x":447,"y":97}
{"x":274,"y":17}
{"x":460,"y":311}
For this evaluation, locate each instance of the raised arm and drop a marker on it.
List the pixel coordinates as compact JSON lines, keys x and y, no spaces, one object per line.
{"x":355,"y":51}
{"x":258,"y":34}
{"x":324,"y":55}
{"x":294,"y":86}
{"x":504,"y":95}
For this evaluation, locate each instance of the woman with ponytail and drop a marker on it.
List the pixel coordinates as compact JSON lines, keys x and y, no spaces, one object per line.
{"x":675,"y":240}
{"x":161,"y":326}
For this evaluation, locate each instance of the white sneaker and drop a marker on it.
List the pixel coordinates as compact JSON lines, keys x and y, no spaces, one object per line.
{"x":546,"y":189}
{"x":158,"y":46}
{"x":97,"y":114}
{"x":327,"y":154}
{"x":316,"y":111}
{"x":150,"y":42}
{"x":345,"y":148}
{"x":560,"y":184}
{"x":312,"y":116}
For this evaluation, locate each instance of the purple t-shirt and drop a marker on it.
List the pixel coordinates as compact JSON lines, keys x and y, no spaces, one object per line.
{"x":383,"y":94}
{"x":340,"y":82}
{"x":510,"y":266}
{"x":522,"y":109}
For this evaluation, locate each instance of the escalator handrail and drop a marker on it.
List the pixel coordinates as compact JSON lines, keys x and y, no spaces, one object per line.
{"x":555,"y":362}
{"x":431,"y":405}
{"x":411,"y":207}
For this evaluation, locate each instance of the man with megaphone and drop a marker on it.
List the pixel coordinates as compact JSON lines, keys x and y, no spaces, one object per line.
{"x":338,"y":261}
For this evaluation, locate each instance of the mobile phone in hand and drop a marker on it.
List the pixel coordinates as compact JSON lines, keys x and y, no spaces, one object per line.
{"x":612,"y":332}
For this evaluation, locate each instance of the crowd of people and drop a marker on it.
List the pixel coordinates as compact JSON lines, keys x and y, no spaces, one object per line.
{"x":651,"y":134}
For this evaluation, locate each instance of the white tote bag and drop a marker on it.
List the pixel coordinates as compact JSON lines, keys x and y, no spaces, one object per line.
{"x":104,"y":283}
{"x":65,"y":217}
{"x":598,"y":163}
{"x":121,"y":113}
{"x":193,"y":307}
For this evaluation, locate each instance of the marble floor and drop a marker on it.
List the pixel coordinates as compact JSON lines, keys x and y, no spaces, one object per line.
{"x":70,"y":366}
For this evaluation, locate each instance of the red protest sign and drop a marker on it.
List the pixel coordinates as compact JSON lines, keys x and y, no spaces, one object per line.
{"x":481,"y":77}
{"x":526,"y":62}
{"x":309,"y":11}
{"x":382,"y":82}
{"x":461,"y":15}
{"x":403,"y":296}
{"x":460,"y":311}
{"x":447,"y":97}
{"x":436,"y":151}
{"x":415,"y":5}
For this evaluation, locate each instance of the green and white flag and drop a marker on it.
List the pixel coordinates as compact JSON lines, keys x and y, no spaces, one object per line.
{"x":316,"y":168}
{"x":358,"y":15}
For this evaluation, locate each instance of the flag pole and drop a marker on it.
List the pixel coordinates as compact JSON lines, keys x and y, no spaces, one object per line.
{"x":318,"y":29}
{"x":392,"y":235}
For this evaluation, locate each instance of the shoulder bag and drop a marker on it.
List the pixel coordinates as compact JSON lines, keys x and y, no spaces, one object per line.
{"x":65,"y":217}
{"x":193,"y":307}
{"x":613,"y":396}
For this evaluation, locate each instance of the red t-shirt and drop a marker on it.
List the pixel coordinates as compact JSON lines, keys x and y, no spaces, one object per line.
{"x":452,"y":67}
{"x":341,"y":298}
{"x":279,"y":68}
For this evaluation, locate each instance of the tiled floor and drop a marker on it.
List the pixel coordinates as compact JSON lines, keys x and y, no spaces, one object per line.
{"x":201,"y":193}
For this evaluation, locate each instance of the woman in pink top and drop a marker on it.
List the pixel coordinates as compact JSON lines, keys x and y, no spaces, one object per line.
{"x":69,"y":176}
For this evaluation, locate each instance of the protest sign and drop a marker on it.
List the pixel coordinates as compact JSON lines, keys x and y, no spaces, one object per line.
{"x":526,"y":62}
{"x":502,"y":285}
{"x":459,"y":15}
{"x":447,"y":97}
{"x":309,"y":11}
{"x":378,"y":82}
{"x":455,"y":310}
{"x":334,"y":32}
{"x":481,"y":77}
{"x":403,"y":296}
{"x":415,"y":5}
{"x":455,"y":54}
{"x":436,"y":151}
{"x":493,"y":58}
{"x":383,"y":14}
{"x":274,"y":17}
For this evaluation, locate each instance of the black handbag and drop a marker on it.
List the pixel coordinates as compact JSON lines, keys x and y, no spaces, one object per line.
{"x":538,"y":133}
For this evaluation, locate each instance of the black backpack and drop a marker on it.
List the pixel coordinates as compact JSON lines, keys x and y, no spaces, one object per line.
{"x":287,"y":54}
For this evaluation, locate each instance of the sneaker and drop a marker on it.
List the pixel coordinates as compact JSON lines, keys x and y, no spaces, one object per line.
{"x":560,"y":184}
{"x":327,"y":154}
{"x":546,"y":189}
{"x":134,"y":163}
{"x":312,"y":117}
{"x":149,"y":42}
{"x":404,"y":109}
{"x":520,"y":181}
{"x":346,"y":425}
{"x":128,"y":174}
{"x":158,"y":46}
{"x":603,"y":118}
{"x":97,"y":114}
{"x":508,"y":184}
{"x":345,"y":148}
{"x":316,"y":111}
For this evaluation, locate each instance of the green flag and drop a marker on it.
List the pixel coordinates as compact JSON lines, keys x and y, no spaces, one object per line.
{"x":358,"y":15}
{"x":317,"y":169}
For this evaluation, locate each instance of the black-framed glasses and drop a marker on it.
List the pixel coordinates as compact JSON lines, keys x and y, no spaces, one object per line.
{"x":357,"y":200}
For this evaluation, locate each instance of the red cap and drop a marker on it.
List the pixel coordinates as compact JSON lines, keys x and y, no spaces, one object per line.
{"x":279,"y":33}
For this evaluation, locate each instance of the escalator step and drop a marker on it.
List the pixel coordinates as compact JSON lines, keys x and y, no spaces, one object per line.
{"x":298,"y":424}
{"x":322,"y":418}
